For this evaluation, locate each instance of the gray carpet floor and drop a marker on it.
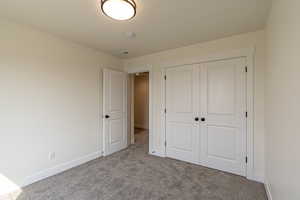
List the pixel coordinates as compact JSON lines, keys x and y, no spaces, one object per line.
{"x":132,"y":174}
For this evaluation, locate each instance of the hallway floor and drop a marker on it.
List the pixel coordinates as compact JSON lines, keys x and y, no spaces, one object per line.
{"x":141,"y":136}
{"x":132,"y":174}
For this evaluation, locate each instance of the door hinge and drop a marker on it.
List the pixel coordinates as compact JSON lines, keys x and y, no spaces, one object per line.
{"x":246,"y":114}
{"x":165,"y":111}
{"x":165,"y":143}
{"x":246,"y":159}
{"x":165,"y":77}
{"x":246,"y":69}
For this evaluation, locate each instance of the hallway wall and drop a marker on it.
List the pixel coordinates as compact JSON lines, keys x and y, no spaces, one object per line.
{"x":141,"y":101}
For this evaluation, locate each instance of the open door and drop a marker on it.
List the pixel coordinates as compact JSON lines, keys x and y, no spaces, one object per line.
{"x":114,"y":96}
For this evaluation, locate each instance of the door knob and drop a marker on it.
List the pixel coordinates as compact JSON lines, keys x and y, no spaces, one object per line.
{"x":197,"y":119}
{"x":106,"y":116}
{"x":203,"y":119}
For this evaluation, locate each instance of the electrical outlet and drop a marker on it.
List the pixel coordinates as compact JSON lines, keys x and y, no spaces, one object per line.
{"x":52,"y":156}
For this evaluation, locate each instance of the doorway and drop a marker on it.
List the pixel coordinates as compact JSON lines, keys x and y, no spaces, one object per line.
{"x":141,"y":108}
{"x":138,"y":86}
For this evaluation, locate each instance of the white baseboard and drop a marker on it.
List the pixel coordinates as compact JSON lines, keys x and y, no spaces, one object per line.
{"x":60,"y":168}
{"x":140,"y":126}
{"x":257,"y":179}
{"x":155,"y":153}
{"x":268,"y":190}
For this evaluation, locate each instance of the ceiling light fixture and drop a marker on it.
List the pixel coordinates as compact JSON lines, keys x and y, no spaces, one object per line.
{"x":119,"y":9}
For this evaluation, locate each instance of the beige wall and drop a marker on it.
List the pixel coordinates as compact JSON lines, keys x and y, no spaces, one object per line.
{"x":48,"y":85}
{"x":187,"y":55}
{"x":283,"y":100}
{"x":50,"y":101}
{"x":141,"y":101}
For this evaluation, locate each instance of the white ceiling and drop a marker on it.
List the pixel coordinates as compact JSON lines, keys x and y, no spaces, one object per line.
{"x":159,"y":24}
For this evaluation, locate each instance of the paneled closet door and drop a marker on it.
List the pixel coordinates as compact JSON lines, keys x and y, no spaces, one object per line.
{"x":182,"y":126}
{"x":223,"y":121}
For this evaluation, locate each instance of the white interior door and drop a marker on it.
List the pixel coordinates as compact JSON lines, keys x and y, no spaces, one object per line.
{"x":182,"y":131}
{"x":115,"y":132}
{"x":223,"y":107}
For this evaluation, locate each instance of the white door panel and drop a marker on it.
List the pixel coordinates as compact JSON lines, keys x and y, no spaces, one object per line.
{"x":182,"y":108}
{"x":220,"y":89}
{"x":116,"y":90}
{"x":116,"y":126}
{"x":223,"y":103}
{"x":183,"y":142}
{"x":221,"y":142}
{"x":115,"y":134}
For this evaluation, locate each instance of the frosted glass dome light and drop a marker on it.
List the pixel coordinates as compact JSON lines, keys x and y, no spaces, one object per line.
{"x":119,"y":9}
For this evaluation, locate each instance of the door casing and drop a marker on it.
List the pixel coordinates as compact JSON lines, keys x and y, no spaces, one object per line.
{"x":248,"y":54}
{"x":150,"y":71}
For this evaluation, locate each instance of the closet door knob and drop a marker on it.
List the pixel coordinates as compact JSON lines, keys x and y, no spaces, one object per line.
{"x":197,"y":119}
{"x":107,"y":116}
{"x":203,"y":119}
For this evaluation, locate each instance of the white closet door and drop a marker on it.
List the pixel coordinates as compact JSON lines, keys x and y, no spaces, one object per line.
{"x":223,"y":121}
{"x":115,"y":134}
{"x":182,"y":131}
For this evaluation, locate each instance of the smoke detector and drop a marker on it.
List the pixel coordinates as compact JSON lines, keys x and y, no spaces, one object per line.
{"x":130,"y":35}
{"x":120,"y":52}
{"x":124,"y":52}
